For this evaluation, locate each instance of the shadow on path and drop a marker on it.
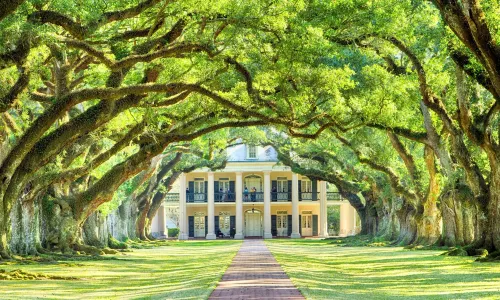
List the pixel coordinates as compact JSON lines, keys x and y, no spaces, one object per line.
{"x":255,"y":274}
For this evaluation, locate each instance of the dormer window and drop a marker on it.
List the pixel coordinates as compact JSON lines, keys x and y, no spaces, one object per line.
{"x":251,"y":151}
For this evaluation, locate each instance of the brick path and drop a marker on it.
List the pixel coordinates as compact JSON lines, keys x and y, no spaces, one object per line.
{"x":255,"y":274}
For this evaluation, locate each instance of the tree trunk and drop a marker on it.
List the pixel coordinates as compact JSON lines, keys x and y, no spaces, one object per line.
{"x":407,"y":225}
{"x":457,"y":212}
{"x":429,"y":229}
{"x":492,"y":230}
{"x":142,"y":221}
{"x":95,"y":230}
{"x":368,"y":215}
{"x":25,"y":235}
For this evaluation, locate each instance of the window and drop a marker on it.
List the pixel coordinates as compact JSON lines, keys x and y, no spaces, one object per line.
{"x":282,"y":183}
{"x":306,"y":186}
{"x":252,"y":151}
{"x":199,"y":185}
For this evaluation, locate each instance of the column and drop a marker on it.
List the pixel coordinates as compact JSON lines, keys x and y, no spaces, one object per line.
{"x":295,"y":207}
{"x":354,"y":214}
{"x":239,"y":206}
{"x":211,"y":207}
{"x":346,"y":219}
{"x":183,"y":228}
{"x":323,"y":211}
{"x":161,"y":221}
{"x":267,"y":205}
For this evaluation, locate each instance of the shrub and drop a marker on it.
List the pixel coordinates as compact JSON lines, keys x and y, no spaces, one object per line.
{"x":173,"y":232}
{"x":115,"y":244}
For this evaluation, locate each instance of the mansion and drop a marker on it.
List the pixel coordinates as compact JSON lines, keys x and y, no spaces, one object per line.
{"x":253,"y":196}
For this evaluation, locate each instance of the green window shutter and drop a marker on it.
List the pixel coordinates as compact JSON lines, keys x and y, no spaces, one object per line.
{"x":232,"y":222}
{"x":300,"y":224}
{"x":290,"y":225}
{"x":300,"y":190}
{"x":314,"y":184}
{"x":274,"y":229}
{"x":191,"y":226}
{"x":216,"y":221}
{"x":274,"y":186}
{"x":315,"y":225}
{"x":190,"y":197}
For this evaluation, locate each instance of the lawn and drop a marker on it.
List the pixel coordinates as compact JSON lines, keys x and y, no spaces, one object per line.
{"x":181,"y":270}
{"x":326,"y":271}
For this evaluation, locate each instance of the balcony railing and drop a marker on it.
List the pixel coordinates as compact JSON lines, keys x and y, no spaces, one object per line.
{"x":196,"y":197}
{"x":334,"y":196}
{"x":224,"y":197}
{"x":309,"y":196}
{"x":172,"y":197}
{"x":253,"y":197}
{"x":281,"y":196}
{"x":250,"y":197}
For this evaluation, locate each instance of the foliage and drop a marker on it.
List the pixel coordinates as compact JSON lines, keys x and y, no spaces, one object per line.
{"x":173,"y":232}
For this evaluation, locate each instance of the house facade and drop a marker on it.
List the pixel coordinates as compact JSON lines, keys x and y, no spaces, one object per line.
{"x":254,"y":196}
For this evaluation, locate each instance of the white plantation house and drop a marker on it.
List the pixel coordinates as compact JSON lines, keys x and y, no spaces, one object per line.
{"x":253,"y":196}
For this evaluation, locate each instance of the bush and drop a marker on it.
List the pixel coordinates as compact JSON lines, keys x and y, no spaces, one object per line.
{"x":115,"y":244}
{"x":173,"y":232}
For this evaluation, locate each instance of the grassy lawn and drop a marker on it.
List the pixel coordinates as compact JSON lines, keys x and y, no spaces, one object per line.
{"x":326,"y":271}
{"x":182,"y":270}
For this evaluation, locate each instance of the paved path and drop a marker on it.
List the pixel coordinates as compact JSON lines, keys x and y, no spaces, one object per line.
{"x":255,"y":274}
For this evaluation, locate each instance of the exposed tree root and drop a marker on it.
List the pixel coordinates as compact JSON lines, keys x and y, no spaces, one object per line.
{"x":4,"y":255}
{"x":22,"y":275}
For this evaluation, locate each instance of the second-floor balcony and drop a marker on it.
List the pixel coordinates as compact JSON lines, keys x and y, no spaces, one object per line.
{"x":251,"y":197}
{"x":224,"y":197}
{"x":281,"y":196}
{"x":196,"y":197}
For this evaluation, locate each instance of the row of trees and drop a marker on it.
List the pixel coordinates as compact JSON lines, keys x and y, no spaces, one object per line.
{"x":394,"y":102}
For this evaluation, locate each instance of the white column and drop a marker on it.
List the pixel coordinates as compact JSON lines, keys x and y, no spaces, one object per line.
{"x":346,"y":219}
{"x":211,"y":207}
{"x":295,"y":207}
{"x":267,"y":205}
{"x":239,"y":206}
{"x":354,"y":214}
{"x":183,"y":228}
{"x":161,"y":221}
{"x":323,"y":211}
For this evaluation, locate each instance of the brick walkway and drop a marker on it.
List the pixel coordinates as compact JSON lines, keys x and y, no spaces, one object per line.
{"x":255,"y":274}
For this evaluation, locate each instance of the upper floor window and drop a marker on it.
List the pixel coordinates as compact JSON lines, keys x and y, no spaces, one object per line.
{"x":251,"y":151}
{"x":306,"y":186}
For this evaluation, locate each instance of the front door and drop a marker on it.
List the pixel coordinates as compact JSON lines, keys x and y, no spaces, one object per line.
{"x":306,"y":225}
{"x":282,"y":225}
{"x":253,"y":226}
{"x":199,"y":226}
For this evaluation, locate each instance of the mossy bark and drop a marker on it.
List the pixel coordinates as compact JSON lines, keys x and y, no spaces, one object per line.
{"x":408,"y":228}
{"x":95,"y":230}
{"x":457,"y":213}
{"x":429,"y":219}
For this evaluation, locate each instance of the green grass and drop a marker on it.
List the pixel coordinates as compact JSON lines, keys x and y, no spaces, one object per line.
{"x":182,"y":270}
{"x":322,"y":270}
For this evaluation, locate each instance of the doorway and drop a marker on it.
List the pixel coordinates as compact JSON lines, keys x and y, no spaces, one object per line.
{"x":282,"y":224}
{"x":306,"y":223}
{"x":199,"y":225}
{"x":253,"y":223}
